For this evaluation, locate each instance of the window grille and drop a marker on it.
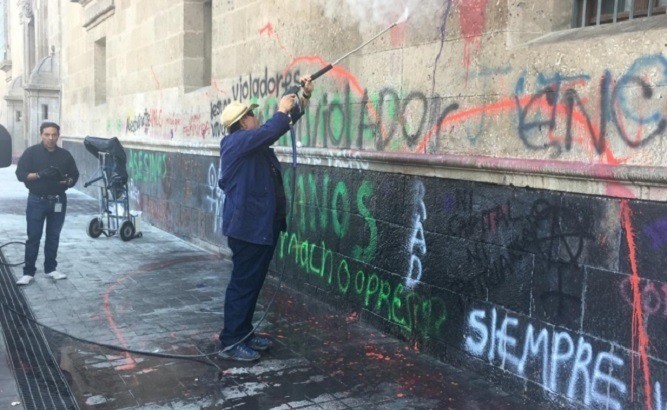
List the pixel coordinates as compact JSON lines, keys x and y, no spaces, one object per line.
{"x":596,"y":12}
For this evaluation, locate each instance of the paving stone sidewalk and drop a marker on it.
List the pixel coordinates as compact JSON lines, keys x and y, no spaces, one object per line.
{"x":162,"y":294}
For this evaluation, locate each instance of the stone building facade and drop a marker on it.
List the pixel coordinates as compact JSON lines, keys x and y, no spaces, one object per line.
{"x":485,"y":180}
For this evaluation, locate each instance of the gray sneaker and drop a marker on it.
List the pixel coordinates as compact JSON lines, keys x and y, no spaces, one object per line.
{"x":55,"y":275}
{"x":24,"y":280}
{"x":259,"y":343}
{"x":240,"y":352}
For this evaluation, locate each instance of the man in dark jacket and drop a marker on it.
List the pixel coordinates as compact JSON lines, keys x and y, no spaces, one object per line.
{"x":253,"y":215}
{"x":47,"y":171}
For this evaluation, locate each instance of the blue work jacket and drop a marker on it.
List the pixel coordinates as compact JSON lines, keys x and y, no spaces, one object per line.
{"x":246,"y":179}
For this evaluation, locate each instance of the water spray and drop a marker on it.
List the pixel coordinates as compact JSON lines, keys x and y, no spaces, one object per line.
{"x":321,"y":72}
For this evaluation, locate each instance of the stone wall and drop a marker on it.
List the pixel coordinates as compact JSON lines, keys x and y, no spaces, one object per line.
{"x":481,"y":180}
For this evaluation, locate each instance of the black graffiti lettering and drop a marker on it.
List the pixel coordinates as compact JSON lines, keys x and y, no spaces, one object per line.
{"x":363,"y":125}
{"x":216,"y":109}
{"x":422,"y":112}
{"x":571,"y":100}
{"x":384,"y":138}
{"x":647,"y":93}
{"x":498,"y":215}
{"x":549,"y":93}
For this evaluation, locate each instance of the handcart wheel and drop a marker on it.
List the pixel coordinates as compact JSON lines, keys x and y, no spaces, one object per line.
{"x":95,"y":228}
{"x":126,"y":231}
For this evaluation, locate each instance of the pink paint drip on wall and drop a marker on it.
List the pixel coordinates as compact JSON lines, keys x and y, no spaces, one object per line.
{"x":472,"y":19}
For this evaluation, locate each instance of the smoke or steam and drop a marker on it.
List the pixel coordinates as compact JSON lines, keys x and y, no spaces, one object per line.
{"x":372,"y":12}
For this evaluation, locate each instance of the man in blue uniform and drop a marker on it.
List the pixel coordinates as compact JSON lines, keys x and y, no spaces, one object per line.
{"x":253,"y":215}
{"x":47,"y":171}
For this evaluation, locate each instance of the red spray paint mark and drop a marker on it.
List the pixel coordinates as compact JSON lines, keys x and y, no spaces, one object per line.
{"x":398,"y":34}
{"x":155,"y":78}
{"x":640,"y":340}
{"x":343,"y":75}
{"x":473,"y":19}
{"x":130,"y":363}
{"x":510,"y":104}
{"x":271,"y":32}
{"x":218,"y":88}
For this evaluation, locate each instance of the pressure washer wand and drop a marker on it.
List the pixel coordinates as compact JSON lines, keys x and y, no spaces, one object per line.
{"x":321,"y":72}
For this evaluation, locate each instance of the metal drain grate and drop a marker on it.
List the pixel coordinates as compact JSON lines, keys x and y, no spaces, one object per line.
{"x":40,"y":380}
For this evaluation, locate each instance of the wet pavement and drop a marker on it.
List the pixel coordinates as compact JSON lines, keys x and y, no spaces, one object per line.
{"x":161,"y":294}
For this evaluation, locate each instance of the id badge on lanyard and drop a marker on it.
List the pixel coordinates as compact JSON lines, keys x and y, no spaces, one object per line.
{"x":58,"y":206}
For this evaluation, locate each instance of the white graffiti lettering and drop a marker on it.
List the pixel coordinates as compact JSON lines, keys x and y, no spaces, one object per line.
{"x":567,"y":369}
{"x":417,"y":239}
{"x":346,"y":159}
{"x":659,"y":404}
{"x":216,"y":198}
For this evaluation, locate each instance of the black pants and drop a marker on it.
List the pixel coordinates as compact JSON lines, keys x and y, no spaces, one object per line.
{"x":38,"y":211}
{"x":251,"y":264}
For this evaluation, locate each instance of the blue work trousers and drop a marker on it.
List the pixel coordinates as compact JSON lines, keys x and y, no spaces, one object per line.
{"x":39,"y":210}
{"x":251,"y":264}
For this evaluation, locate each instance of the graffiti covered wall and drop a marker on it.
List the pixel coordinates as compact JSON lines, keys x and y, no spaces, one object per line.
{"x":564,"y":293}
{"x":550,"y":281}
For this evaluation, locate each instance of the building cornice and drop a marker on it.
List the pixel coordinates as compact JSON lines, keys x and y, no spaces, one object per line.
{"x":96,"y":11}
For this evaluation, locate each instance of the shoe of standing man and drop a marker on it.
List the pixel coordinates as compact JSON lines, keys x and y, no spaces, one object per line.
{"x":24,"y":280}
{"x":259,"y":343}
{"x":55,"y":275}
{"x":240,"y":352}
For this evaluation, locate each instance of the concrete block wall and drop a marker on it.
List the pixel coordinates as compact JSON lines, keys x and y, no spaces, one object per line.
{"x":482,"y":180}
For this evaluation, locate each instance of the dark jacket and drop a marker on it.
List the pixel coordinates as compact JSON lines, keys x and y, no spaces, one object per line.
{"x":246,"y":179}
{"x":37,"y":158}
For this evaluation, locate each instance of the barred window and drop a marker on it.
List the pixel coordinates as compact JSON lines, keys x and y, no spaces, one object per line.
{"x":596,"y":12}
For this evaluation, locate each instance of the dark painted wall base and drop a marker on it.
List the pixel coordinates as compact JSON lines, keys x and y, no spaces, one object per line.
{"x":560,"y":296}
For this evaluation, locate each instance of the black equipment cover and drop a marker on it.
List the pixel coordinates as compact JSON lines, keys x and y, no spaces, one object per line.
{"x":5,"y":147}
{"x":116,"y":165}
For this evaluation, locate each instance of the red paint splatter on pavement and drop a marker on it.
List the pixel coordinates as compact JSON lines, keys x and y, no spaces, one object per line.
{"x":473,"y":19}
{"x":130,"y":363}
{"x":640,"y":339}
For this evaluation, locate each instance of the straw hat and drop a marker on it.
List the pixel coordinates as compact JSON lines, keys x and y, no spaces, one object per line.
{"x":234,"y":111}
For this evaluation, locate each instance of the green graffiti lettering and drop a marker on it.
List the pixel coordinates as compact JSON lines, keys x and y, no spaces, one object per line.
{"x":301,"y":200}
{"x":328,"y":256}
{"x":407,"y":310}
{"x":303,"y":255}
{"x":283,"y":236}
{"x":385,"y":291}
{"x":396,"y":304}
{"x":371,"y":288}
{"x":313,"y":201}
{"x":340,"y":226}
{"x":324,"y":216}
{"x":336,"y":122}
{"x":366,"y":130}
{"x":342,"y":267}
{"x":438,"y":318}
{"x":366,"y":254}
{"x":423,"y":315}
{"x":294,"y":248}
{"x":312,"y":268}
{"x":410,"y":316}
{"x":147,"y":166}
{"x":359,"y":287}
